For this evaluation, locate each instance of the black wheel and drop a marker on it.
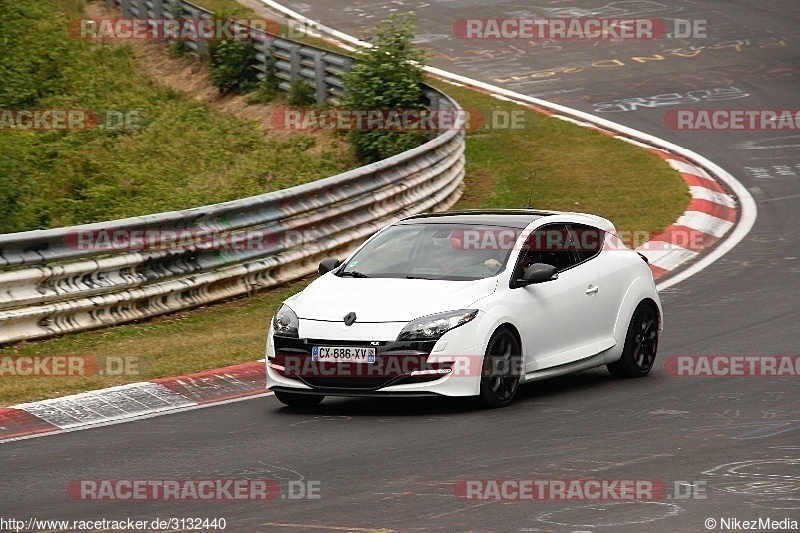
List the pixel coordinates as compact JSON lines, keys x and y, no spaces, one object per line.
{"x":298,"y":400}
{"x":641,"y":344}
{"x":501,"y":369}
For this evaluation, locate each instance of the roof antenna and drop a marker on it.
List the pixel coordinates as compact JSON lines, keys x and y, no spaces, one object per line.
{"x":530,"y":198}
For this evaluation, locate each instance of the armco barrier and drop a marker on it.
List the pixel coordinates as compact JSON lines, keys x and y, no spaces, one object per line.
{"x":285,"y":59}
{"x":50,"y":284}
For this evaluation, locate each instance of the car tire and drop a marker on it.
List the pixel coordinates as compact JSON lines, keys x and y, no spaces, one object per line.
{"x":298,"y":400}
{"x":501,"y":369}
{"x":641,"y":344}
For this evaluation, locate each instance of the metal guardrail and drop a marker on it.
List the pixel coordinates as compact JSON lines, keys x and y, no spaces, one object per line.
{"x":283,"y":58}
{"x":51,"y":284}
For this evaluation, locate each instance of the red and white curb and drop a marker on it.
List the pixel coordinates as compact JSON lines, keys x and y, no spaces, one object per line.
{"x":133,"y":401}
{"x":710,"y":215}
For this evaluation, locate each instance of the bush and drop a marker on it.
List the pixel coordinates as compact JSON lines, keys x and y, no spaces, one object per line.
{"x":178,"y":48}
{"x":267,"y":89}
{"x":232,"y":66}
{"x":387,"y":76}
{"x":301,"y":94}
{"x":264,"y":94}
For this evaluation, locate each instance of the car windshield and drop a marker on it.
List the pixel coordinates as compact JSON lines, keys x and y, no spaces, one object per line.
{"x":434,"y":251}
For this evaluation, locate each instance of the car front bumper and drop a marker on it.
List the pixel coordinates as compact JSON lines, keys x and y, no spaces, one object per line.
{"x":450,"y":366}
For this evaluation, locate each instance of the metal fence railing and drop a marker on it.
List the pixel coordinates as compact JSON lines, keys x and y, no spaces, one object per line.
{"x":283,"y":58}
{"x":53,"y":282}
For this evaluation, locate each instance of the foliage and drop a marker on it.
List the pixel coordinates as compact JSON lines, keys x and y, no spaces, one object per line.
{"x":387,"y":76}
{"x":302,"y":94}
{"x":267,"y":89}
{"x":232,"y":65}
{"x":178,"y":48}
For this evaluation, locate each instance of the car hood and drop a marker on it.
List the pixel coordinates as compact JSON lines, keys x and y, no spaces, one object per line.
{"x":330,"y":298}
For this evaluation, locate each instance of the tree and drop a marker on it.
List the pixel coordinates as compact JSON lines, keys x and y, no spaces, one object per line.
{"x":387,"y":76}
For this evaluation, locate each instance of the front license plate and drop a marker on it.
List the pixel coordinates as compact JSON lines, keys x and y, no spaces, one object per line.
{"x":343,"y":354}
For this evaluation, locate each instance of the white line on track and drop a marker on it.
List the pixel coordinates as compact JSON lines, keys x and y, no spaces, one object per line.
{"x":139,"y":417}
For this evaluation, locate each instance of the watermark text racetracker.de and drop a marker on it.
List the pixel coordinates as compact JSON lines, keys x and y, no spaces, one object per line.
{"x":585,"y":28}
{"x":217,"y":489}
{"x":183,"y":29}
{"x":402,"y":119}
{"x":136,"y":239}
{"x":71,"y":366}
{"x":733,"y":119}
{"x":177,"y":29}
{"x":121,"y":524}
{"x":578,"y":489}
{"x":772,"y":366}
{"x":73,"y":119}
{"x":276,"y":238}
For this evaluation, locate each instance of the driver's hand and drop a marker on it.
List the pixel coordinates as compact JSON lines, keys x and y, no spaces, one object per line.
{"x":492,"y":264}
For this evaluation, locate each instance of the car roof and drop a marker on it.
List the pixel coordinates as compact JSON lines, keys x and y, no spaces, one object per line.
{"x":510,"y":218}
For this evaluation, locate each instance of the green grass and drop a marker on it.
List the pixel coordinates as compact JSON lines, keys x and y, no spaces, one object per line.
{"x":185,"y":156}
{"x":578,"y":170}
{"x":209,"y":337}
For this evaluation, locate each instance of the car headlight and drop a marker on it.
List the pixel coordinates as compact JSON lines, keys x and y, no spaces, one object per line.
{"x":431,"y":327}
{"x":285,"y":322}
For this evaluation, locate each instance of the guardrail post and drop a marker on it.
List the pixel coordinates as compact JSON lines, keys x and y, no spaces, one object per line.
{"x":140,"y":7}
{"x":435,"y":105}
{"x":202,"y":44}
{"x":264,"y":52}
{"x":335,"y":67}
{"x":187,"y":10}
{"x":158,"y":9}
{"x":433,"y":99}
{"x":319,"y":77}
{"x":294,"y":61}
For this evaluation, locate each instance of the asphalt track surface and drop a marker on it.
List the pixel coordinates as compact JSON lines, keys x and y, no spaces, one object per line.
{"x":391,"y":464}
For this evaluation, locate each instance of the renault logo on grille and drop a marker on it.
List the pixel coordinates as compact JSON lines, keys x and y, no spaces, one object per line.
{"x":349,"y":318}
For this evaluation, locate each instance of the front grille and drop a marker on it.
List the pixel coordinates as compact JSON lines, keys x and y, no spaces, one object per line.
{"x":298,"y":346}
{"x":348,"y":383}
{"x":395,"y":361}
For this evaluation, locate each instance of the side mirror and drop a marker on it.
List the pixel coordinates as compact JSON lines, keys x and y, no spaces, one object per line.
{"x":328,"y":264}
{"x":536,"y":273}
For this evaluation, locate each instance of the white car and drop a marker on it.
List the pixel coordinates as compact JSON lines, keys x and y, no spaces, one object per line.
{"x":469,"y":303}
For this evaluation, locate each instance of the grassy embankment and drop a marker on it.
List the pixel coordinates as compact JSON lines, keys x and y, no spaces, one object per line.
{"x":188,"y":153}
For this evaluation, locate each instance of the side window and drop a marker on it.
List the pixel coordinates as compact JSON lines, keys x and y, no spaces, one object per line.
{"x":551,"y":245}
{"x":588,"y":240}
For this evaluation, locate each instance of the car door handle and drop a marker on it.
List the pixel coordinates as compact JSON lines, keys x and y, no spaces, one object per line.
{"x":592,"y":289}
